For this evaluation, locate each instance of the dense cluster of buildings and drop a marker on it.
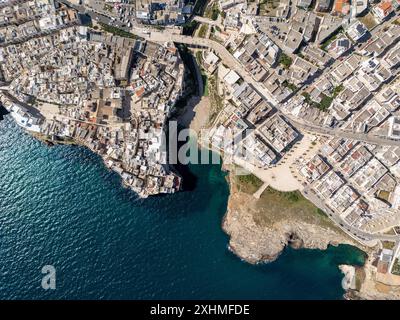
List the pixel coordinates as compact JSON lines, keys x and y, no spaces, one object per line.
{"x":249,"y":127}
{"x":27,"y":19}
{"x":318,"y":62}
{"x":109,"y":93}
{"x":128,"y":13}
{"x":357,"y":93}
{"x":357,"y":181}
{"x":324,"y":65}
{"x":168,"y":12}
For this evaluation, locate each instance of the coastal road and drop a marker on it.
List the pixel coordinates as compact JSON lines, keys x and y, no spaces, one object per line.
{"x":341,"y":133}
{"x":359,"y":235}
{"x":220,"y":50}
{"x":234,"y":64}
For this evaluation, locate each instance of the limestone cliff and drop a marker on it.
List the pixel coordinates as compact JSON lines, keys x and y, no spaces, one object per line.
{"x":258,"y":233}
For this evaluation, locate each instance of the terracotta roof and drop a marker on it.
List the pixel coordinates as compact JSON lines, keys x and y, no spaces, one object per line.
{"x":339,"y":4}
{"x":140,"y":92}
{"x":386,"y":6}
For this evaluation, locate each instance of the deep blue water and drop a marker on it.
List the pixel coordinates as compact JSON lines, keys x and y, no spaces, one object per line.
{"x":61,"y":206}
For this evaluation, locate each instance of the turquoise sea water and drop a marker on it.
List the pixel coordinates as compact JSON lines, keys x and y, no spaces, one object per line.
{"x":61,"y":206}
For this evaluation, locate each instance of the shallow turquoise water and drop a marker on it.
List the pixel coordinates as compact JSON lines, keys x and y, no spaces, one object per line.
{"x":61,"y":206}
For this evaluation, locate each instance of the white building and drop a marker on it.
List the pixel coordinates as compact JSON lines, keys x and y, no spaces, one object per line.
{"x":394,"y":127}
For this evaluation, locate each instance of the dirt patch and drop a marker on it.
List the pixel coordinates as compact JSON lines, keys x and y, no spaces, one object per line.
{"x":275,"y":206}
{"x":369,"y":21}
{"x":360,"y":277}
{"x":248,"y":183}
{"x":382,"y":288}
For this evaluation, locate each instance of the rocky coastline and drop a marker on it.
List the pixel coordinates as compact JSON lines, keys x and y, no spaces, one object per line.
{"x":262,"y":241}
{"x":257,"y":242}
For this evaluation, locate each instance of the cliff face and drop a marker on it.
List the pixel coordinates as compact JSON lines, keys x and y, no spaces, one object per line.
{"x":258,"y":233}
{"x":3,"y":111}
{"x":373,"y":285}
{"x":260,"y":229}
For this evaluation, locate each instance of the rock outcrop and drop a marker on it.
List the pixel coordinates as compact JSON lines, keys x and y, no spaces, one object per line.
{"x":255,"y":242}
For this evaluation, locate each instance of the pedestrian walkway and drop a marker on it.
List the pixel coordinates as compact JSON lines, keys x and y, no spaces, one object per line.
{"x":258,"y":193}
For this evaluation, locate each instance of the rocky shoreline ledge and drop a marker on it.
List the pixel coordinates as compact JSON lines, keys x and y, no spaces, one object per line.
{"x":260,"y":229}
{"x":257,"y":241}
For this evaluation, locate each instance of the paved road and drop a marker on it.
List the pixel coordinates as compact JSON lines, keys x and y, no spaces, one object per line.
{"x":95,"y":15}
{"x":354,"y":232}
{"x":341,"y":133}
{"x":222,"y":52}
{"x":206,"y":20}
{"x":235,"y":65}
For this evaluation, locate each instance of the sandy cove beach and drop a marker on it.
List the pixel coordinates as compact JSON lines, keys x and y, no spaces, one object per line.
{"x":196,"y":113}
{"x":260,"y":230}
